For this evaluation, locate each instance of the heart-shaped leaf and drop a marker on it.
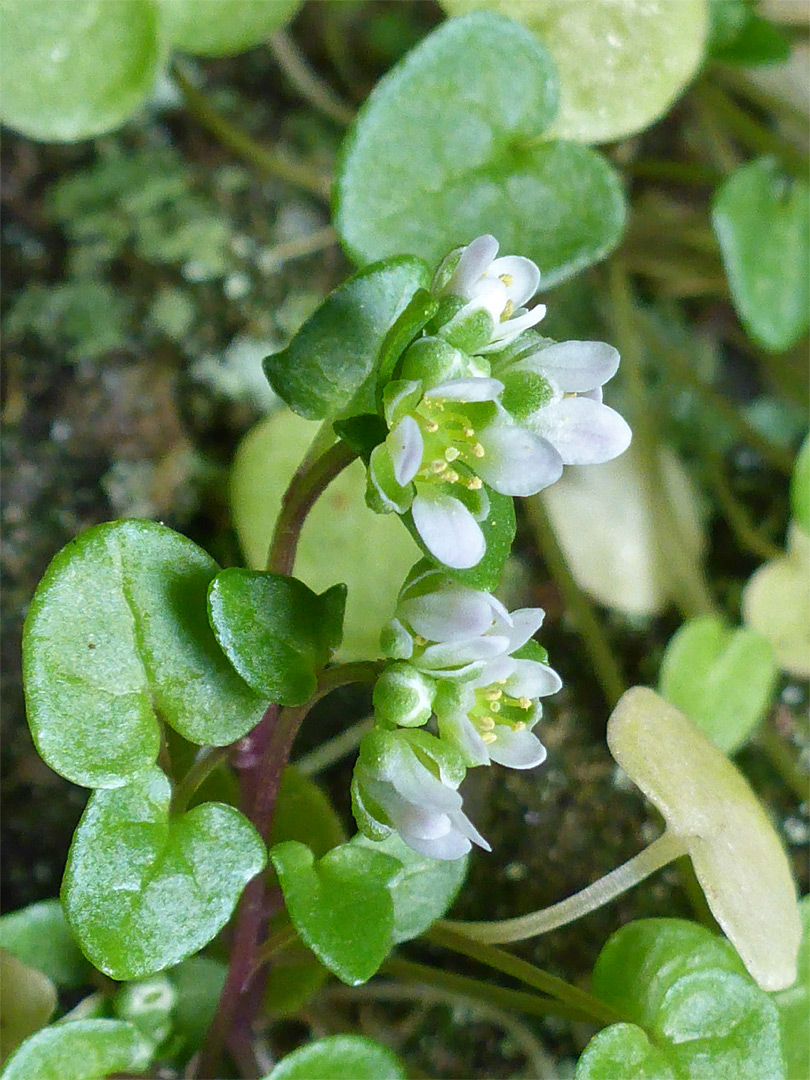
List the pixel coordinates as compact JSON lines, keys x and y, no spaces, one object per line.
{"x":142,"y":891}
{"x":342,"y":540}
{"x":329,"y":367}
{"x":723,"y":678}
{"x":305,"y":814}
{"x":776,"y":604}
{"x":74,"y":70}
{"x":116,"y":638}
{"x":80,"y":1050}
{"x":276,"y":632}
{"x":339,"y":1057}
{"x":762,"y":221}
{"x":422,"y":890}
{"x":448,"y":147}
{"x":621,"y":65}
{"x":223,"y":27}
{"x":39,"y":935}
{"x":738,"y":857}
{"x":340,"y":905}
{"x":27,"y":1002}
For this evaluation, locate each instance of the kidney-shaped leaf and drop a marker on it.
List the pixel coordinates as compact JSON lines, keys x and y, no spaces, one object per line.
{"x":116,"y":638}
{"x":39,"y":935}
{"x":223,"y":27}
{"x":738,"y":857}
{"x":448,"y":147}
{"x":340,"y":905}
{"x":339,"y":1057}
{"x":328,"y":369}
{"x":143,"y":891}
{"x":80,"y":1050}
{"x":73,"y":70}
{"x":794,"y":1008}
{"x":762,"y":220}
{"x":723,"y":678}
{"x":276,"y":632}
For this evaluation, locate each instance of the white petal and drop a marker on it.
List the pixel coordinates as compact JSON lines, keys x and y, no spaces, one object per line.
{"x":575,"y":366}
{"x":496,"y":670}
{"x":504,"y":332}
{"x":524,"y":274}
{"x":449,"y":531}
{"x":449,"y":847}
{"x":406,"y":447}
{"x":532,"y":679}
{"x":466,"y":828}
{"x":516,"y":461}
{"x":516,"y":749}
{"x":525,"y":623}
{"x":416,"y":783}
{"x":451,"y":654}
{"x":471,"y":389}
{"x":396,"y":395}
{"x":583,"y":431}
{"x":448,"y":614}
{"x":459,"y":730}
{"x":473,"y":264}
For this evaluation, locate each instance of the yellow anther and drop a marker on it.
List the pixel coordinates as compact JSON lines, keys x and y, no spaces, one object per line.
{"x":486,"y":723}
{"x":519,"y":726}
{"x":419,"y":640}
{"x":507,"y":311}
{"x":451,"y":453}
{"x":525,"y":703}
{"x":475,"y":483}
{"x":478,"y":450}
{"x":501,"y":682}
{"x":493,"y":695}
{"x":451,"y":476}
{"x":495,"y":706}
{"x":468,"y":432}
{"x":438,"y":465}
{"x":507,"y":279}
{"x":431,"y":426}
{"x":489,"y":737}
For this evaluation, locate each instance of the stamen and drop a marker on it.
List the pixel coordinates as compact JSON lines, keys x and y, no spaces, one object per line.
{"x":419,"y":640}
{"x":451,"y":476}
{"x":431,"y":426}
{"x":507,"y":279}
{"x":493,"y":695}
{"x":495,"y":706}
{"x":486,"y":723}
{"x":438,"y":465}
{"x":525,"y":703}
{"x":519,"y":726}
{"x":489,"y":737}
{"x":478,"y":450}
{"x":469,"y":433}
{"x":475,"y":483}
{"x":507,"y":311}
{"x":452,"y":452}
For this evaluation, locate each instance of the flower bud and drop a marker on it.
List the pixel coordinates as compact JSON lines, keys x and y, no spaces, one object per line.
{"x":403,"y":697}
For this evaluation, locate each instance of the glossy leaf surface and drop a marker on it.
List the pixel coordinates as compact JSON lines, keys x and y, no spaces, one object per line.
{"x":339,"y":1057}
{"x":117,"y":638}
{"x":80,"y":1050}
{"x":142,"y":891}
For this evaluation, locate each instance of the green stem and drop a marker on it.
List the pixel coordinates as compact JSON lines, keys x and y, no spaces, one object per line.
{"x":734,"y":79}
{"x":307,"y":82}
{"x":676,"y":172}
{"x":207,"y":760}
{"x":692,"y":595}
{"x":505,"y":962}
{"x":783,"y":760}
{"x":275,"y":943}
{"x":606,"y":668}
{"x":518,"y":1000}
{"x":330,"y":752}
{"x":245,"y":146}
{"x":738,"y":518}
{"x":660,"y":852}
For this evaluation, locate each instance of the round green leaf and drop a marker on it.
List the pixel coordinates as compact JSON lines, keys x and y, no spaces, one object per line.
{"x":143,"y":891}
{"x":305,"y":814}
{"x":329,"y":367}
{"x":423,"y":889}
{"x":762,"y":221}
{"x":80,"y":1050}
{"x":793,"y":1005}
{"x":117,"y":638}
{"x":723,"y":678}
{"x":776,"y":604}
{"x":447,"y":147}
{"x":342,"y":540}
{"x":40,"y":936}
{"x":198,"y":982}
{"x":621,"y":1051}
{"x":78,"y":68}
{"x":223,"y":27}
{"x":339,"y":1057}
{"x":27,"y":1002}
{"x":340,"y":905}
{"x":621,"y":63}
{"x":738,"y":857}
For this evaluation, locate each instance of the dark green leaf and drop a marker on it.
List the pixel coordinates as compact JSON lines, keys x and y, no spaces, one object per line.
{"x":142,"y":891}
{"x":424,"y":888}
{"x":39,"y":936}
{"x":758,"y":41}
{"x":793,"y":1006}
{"x":362,"y":433}
{"x":800,"y":487}
{"x":305,"y":814}
{"x":117,"y":638}
{"x":340,"y":905}
{"x":80,"y":1050}
{"x":723,"y":678}
{"x":198,"y":982}
{"x":329,"y":368}
{"x":223,"y":27}
{"x":339,"y":1057}
{"x":74,"y":70}
{"x":762,"y":220}
{"x":276,"y":632}
{"x":446,"y":149}
{"x":27,"y":1002}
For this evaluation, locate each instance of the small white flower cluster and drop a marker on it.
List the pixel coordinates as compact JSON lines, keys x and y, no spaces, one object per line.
{"x":459,"y":655}
{"x":481,"y":401}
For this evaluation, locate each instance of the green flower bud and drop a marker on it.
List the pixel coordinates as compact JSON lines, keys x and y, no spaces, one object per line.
{"x":403,"y":697}
{"x":433,"y":360}
{"x":469,"y":331}
{"x":148,"y":1005}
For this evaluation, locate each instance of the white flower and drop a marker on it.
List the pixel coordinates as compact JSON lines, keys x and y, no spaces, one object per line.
{"x":496,"y":288}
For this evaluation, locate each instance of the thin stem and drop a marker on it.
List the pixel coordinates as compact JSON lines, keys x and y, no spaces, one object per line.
{"x":783,"y":760}
{"x":660,"y":852}
{"x":737,"y":516}
{"x":308,"y":483}
{"x":276,"y":943}
{"x":331,"y":751}
{"x":317,"y":240}
{"x":518,"y":1000}
{"x":245,"y":146}
{"x":675,"y":172}
{"x":207,"y":760}
{"x":692,"y":595}
{"x":736,"y":80}
{"x":533,"y":976}
{"x":606,"y":668}
{"x":307,"y":82}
